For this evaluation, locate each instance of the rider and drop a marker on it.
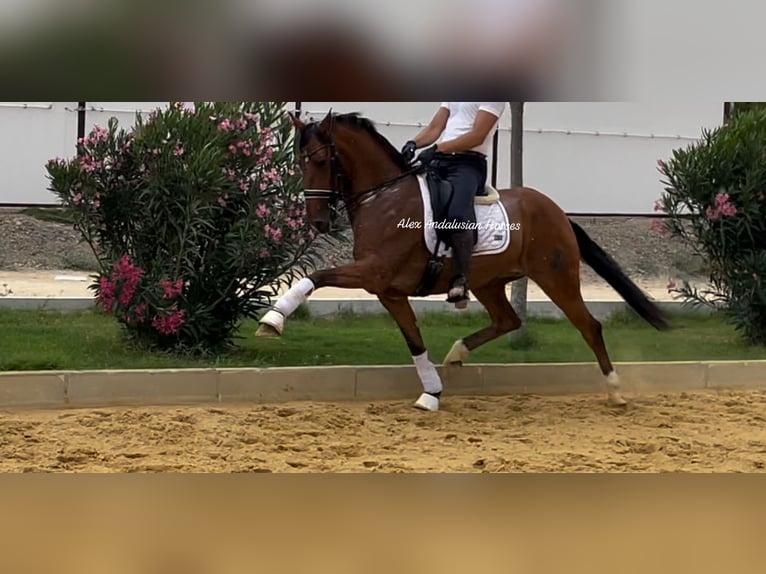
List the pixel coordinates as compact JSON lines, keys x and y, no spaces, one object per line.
{"x":460,"y":136}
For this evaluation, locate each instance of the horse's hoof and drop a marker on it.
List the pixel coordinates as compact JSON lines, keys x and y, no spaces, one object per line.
{"x":616,"y":401}
{"x":457,"y":355}
{"x":267,"y":331}
{"x":427,"y":402}
{"x":272,"y":325}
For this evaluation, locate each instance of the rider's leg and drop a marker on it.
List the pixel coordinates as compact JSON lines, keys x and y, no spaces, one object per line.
{"x":468,"y":177}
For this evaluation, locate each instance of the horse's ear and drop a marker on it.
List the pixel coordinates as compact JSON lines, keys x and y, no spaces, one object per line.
{"x":326,"y":123}
{"x":299,"y":125}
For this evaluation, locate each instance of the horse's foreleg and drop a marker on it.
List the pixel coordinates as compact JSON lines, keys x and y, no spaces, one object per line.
{"x":354,"y":276}
{"x":504,"y":320}
{"x":273,"y":322}
{"x":401,"y":310}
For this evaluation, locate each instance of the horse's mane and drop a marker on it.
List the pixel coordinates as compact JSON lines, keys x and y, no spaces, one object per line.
{"x":356,"y":120}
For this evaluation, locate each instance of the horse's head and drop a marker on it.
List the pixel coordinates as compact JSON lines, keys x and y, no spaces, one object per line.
{"x":320,"y":167}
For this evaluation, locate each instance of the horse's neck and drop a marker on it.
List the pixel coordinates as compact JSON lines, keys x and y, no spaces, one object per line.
{"x":376,"y":218}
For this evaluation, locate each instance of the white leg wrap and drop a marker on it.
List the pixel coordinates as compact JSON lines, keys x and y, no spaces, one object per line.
{"x":428,"y":374}
{"x":295,"y":297}
{"x":287,"y":304}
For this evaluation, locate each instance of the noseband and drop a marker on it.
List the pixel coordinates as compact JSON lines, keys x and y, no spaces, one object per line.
{"x":336,"y":173}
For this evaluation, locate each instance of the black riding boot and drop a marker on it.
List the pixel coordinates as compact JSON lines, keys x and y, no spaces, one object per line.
{"x":462,"y":251}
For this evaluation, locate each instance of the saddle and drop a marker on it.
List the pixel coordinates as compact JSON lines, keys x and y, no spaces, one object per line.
{"x":440,"y":194}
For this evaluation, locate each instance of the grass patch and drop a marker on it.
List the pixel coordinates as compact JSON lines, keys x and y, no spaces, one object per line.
{"x":39,"y":340}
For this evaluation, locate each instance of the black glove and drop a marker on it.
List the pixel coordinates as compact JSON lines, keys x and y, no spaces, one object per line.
{"x":408,"y":151}
{"x":427,"y":155}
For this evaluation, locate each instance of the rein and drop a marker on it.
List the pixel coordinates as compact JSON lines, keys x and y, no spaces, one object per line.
{"x":337,"y":175}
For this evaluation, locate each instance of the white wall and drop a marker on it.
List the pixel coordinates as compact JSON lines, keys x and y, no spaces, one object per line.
{"x":29,"y":137}
{"x":582,"y":171}
{"x":125,"y":112}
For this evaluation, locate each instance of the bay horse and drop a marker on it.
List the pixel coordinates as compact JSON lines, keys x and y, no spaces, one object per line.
{"x":344,"y":157}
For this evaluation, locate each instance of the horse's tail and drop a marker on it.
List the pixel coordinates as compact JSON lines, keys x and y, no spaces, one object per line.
{"x":603,"y":264}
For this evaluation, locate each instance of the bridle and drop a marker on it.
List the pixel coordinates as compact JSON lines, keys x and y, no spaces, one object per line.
{"x":337,"y":174}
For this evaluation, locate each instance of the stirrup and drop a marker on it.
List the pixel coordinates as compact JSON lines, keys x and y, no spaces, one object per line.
{"x":458,"y":294}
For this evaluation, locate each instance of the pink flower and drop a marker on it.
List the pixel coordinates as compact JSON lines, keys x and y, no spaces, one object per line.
{"x":262,"y":210}
{"x":56,"y":162}
{"x":140,"y":312}
{"x":106,"y":294}
{"x":233,"y":149}
{"x":99,"y":134}
{"x":170,"y":324}
{"x":172,"y":289}
{"x":96,"y":204}
{"x":89,"y":163}
{"x":274,"y":176}
{"x":723,"y":207}
{"x":658,"y":205}
{"x":77,"y":199}
{"x":264,"y":253}
{"x":276,"y":235}
{"x":226,"y":125}
{"x":179,"y":151}
{"x":130,"y":276}
{"x":241,"y":124}
{"x":728,"y":209}
{"x":222,"y":201}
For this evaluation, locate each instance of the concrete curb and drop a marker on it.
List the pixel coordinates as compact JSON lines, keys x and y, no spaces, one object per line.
{"x":357,"y":383}
{"x":327,"y":307}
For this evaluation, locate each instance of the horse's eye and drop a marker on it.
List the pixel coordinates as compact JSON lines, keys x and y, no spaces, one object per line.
{"x":322,"y":162}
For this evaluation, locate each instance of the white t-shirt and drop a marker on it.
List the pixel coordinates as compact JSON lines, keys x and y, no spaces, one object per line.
{"x":462,"y":116}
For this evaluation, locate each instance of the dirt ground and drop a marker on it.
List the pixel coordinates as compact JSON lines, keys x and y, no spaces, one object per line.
{"x":686,"y":432}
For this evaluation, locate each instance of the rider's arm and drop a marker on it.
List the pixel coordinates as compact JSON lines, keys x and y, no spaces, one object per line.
{"x":434,"y":130}
{"x":482,"y":126}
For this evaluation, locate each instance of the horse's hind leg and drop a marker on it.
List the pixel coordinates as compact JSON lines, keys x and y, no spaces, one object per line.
{"x":564,"y":291}
{"x":401,"y":311}
{"x":504,"y":320}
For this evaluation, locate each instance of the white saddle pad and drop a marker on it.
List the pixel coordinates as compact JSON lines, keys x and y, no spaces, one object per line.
{"x":491,"y":223}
